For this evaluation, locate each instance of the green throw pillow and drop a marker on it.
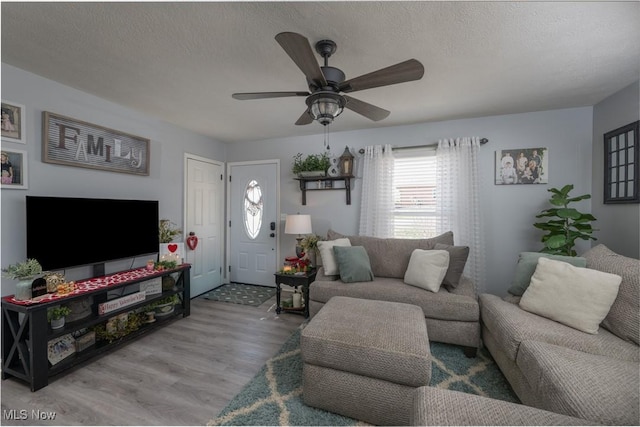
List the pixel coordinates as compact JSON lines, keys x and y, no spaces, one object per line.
{"x":527,"y":263}
{"x":353,"y":264}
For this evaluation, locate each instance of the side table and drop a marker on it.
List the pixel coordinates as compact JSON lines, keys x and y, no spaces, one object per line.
{"x":295,"y":280}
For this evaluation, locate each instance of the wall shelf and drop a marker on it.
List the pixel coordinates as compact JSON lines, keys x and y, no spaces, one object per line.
{"x":323,"y":183}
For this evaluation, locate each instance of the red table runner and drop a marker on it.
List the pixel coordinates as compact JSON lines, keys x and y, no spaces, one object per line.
{"x":88,"y":285}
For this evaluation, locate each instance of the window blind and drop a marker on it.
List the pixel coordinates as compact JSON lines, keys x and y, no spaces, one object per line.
{"x":414,"y":193}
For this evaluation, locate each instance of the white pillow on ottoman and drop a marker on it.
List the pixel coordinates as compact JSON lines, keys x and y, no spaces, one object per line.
{"x":576,"y":297}
{"x":325,"y":247}
{"x":427,"y":269}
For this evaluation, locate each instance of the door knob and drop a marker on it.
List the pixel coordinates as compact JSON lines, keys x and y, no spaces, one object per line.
{"x":272,"y":235}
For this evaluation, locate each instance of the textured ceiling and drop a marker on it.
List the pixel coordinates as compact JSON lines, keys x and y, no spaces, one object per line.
{"x":182,"y":61}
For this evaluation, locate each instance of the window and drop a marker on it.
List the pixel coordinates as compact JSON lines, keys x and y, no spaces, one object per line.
{"x":414,"y":193}
{"x":621,"y":158}
{"x":252,"y":209}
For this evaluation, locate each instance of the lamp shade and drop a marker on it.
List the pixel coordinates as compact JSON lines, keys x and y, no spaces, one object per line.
{"x":297,"y":224}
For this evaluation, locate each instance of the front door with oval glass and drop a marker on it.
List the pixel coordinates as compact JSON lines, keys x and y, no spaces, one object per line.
{"x":253,"y":208}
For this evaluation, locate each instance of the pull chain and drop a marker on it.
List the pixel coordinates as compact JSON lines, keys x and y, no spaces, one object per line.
{"x":326,"y":138}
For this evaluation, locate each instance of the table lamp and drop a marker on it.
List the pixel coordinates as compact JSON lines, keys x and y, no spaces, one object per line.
{"x":298,"y":224}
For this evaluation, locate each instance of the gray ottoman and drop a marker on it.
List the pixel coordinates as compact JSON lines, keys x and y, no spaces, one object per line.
{"x":364,"y":359}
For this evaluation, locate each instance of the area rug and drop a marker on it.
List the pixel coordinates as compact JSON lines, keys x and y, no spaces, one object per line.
{"x":274,"y":395}
{"x":238,"y":293}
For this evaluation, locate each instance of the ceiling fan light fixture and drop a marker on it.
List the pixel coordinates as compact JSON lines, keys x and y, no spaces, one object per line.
{"x":325,"y":106}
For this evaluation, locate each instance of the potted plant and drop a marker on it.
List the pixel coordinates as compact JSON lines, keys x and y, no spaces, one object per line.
{"x":167,"y":231}
{"x":310,"y":245}
{"x":165,"y":306}
{"x":25,"y":273}
{"x":56,"y":316}
{"x":314,"y":165}
{"x":565,"y":224}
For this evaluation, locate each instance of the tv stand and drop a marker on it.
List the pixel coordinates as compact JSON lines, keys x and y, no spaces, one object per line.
{"x":26,"y":333}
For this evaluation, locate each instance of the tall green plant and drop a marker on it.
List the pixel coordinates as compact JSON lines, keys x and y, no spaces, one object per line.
{"x":565,"y":224}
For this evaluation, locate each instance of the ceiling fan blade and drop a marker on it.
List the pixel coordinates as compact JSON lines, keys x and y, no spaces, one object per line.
{"x":263,"y":95}
{"x":299,"y":49}
{"x":305,"y":118}
{"x":368,"y":110}
{"x":403,"y":72}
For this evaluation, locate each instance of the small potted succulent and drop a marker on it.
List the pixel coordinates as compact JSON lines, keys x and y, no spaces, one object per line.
{"x":25,"y":272}
{"x":56,"y":315}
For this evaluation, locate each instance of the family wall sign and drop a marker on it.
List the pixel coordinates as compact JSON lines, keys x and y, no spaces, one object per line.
{"x":72,"y":142}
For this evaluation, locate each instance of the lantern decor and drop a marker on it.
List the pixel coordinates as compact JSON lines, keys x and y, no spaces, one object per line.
{"x":346,"y":162}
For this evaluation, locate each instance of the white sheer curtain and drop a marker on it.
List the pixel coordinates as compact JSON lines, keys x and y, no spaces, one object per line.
{"x":376,"y":210}
{"x":458,"y":201}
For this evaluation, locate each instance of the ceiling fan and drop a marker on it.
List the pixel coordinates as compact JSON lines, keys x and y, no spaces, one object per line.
{"x":324,"y":101}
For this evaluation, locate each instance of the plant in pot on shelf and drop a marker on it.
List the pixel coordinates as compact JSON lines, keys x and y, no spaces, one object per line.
{"x":164,"y":306}
{"x":565,"y":224}
{"x":314,"y":165}
{"x":25,"y":272}
{"x":56,"y":316}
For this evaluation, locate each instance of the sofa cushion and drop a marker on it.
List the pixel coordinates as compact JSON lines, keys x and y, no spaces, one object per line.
{"x":390,"y":257}
{"x":510,"y":325}
{"x":457,"y":260}
{"x":576,"y":297}
{"x":325,"y":248}
{"x":353,"y":264}
{"x":581,"y":385}
{"x":427,"y":269}
{"x":527,"y":263}
{"x":624,"y":317}
{"x":439,"y":305}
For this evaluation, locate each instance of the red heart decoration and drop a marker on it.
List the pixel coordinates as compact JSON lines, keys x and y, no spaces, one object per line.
{"x":172,"y":247}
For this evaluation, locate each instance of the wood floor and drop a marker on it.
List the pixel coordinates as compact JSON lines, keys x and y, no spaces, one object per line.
{"x":181,"y":374}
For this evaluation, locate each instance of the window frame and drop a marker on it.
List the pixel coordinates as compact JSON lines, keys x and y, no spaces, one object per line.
{"x":613,"y":166}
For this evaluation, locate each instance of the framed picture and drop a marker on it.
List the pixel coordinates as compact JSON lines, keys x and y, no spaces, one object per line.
{"x":13,"y":122}
{"x":522,"y":166}
{"x":14,"y":169}
{"x":71,"y":142}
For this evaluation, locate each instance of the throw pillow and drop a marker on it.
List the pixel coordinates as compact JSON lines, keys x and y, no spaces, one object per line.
{"x":427,"y":269}
{"x":457,"y":259}
{"x":326,"y":252}
{"x":353,"y":264}
{"x":527,"y":262}
{"x":624,"y":317}
{"x":574,"y":296}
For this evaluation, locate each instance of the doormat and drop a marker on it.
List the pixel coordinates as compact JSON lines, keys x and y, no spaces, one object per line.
{"x":274,"y":396}
{"x":238,"y":293}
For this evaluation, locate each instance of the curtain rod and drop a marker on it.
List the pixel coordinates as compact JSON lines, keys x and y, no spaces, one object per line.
{"x":482,"y":142}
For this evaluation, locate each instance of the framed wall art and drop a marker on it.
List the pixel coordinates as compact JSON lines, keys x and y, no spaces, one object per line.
{"x":621,"y":160}
{"x":13,"y":122}
{"x":522,"y":166}
{"x":71,"y":142}
{"x":14,"y":169}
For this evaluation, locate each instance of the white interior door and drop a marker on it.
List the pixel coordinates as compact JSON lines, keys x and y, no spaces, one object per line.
{"x":253,"y":221}
{"x":204,"y":217}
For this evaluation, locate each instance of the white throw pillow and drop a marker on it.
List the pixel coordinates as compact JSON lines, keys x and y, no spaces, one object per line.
{"x":427,"y":269}
{"x":573,"y":296}
{"x":326,"y":252}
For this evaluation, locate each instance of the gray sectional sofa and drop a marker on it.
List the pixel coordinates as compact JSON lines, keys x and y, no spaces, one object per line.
{"x":452,"y":314}
{"x":561,"y":369}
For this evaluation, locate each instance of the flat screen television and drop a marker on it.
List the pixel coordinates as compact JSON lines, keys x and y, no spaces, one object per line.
{"x":65,"y":232}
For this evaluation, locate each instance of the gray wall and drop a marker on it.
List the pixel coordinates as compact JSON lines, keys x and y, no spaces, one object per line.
{"x":165,"y":182}
{"x":509,"y":211}
{"x":618,"y":224}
